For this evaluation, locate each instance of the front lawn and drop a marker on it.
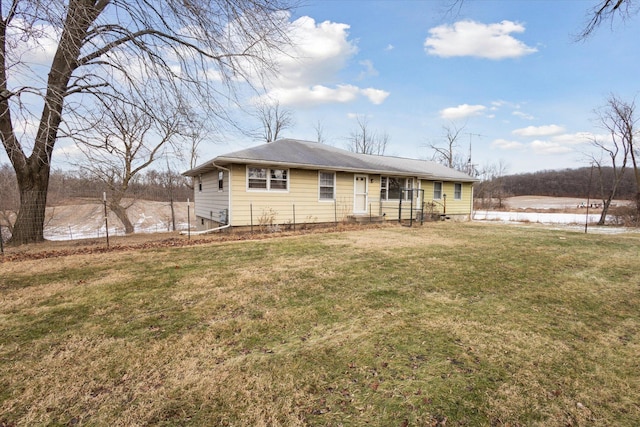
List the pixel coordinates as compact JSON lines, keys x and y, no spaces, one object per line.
{"x":447,"y":324}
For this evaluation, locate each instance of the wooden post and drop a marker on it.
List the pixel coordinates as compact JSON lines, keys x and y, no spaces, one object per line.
{"x":188,"y":220}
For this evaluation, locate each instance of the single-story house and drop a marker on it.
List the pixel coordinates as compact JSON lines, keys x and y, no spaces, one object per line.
{"x":290,"y":182}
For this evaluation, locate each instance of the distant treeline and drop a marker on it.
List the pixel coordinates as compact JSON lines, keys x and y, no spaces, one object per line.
{"x":560,"y":183}
{"x":64,"y":185}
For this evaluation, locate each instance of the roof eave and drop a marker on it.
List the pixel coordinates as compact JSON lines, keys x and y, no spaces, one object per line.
{"x":229,"y":160}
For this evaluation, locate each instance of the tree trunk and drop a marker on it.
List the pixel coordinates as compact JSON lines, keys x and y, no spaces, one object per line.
{"x":173,"y":215}
{"x":605,"y":211}
{"x":29,"y":225}
{"x":121,"y":213}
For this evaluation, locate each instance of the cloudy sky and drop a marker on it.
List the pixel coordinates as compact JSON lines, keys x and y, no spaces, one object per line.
{"x":509,"y":72}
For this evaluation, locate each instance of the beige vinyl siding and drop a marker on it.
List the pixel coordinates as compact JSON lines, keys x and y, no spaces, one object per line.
{"x":453,"y":206}
{"x":278,"y":206}
{"x":210,"y":201}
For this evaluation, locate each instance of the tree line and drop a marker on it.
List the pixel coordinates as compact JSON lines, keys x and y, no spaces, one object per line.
{"x":580,"y":182}
{"x":68,"y":186}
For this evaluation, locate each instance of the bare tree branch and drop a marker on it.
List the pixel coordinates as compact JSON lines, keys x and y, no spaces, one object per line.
{"x":107,"y":50}
{"x":273,"y":119}
{"x":365,"y":141}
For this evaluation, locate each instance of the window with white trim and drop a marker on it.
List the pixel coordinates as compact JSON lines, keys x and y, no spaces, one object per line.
{"x":200,"y":183}
{"x":457,"y":191}
{"x":437,"y":190}
{"x":220,"y":180}
{"x":259,"y":178}
{"x":391,"y":187}
{"x":326,"y":185}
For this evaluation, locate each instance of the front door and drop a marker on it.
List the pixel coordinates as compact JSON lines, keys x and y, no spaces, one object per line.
{"x":360,"y":194}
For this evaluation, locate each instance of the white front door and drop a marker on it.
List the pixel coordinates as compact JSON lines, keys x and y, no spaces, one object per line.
{"x":360,"y":197}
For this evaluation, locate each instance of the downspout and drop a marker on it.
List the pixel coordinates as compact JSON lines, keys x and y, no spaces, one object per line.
{"x":211,"y":230}
{"x":471,"y":203}
{"x":229,"y":208}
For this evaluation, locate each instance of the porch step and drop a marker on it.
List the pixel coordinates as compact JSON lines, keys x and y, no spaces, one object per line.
{"x":365,"y":219}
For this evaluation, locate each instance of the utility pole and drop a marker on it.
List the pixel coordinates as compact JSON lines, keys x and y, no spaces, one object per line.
{"x":471,"y":166}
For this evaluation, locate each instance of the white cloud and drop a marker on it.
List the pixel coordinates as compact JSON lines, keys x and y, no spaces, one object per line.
{"x":376,"y":96}
{"x":575,"y":138}
{"x":523,"y":115}
{"x":461,"y":111}
{"x":549,"y":147}
{"x":319,"y":94}
{"x":389,"y":47}
{"x":470,"y":38}
{"x":534,"y":131}
{"x":307,"y":74}
{"x":503,"y":144}
{"x":369,"y":69}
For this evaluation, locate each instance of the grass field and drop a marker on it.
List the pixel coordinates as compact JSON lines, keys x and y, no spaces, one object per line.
{"x":448,"y":324}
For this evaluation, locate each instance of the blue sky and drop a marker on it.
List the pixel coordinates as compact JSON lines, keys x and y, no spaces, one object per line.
{"x":509,"y":71}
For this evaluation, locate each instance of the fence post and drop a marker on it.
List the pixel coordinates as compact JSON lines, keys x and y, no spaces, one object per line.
{"x":251,"y":215}
{"x":294,"y":217}
{"x":188,"y":220}
{"x":1,"y":241}
{"x":106,"y":221}
{"x":335,"y":211}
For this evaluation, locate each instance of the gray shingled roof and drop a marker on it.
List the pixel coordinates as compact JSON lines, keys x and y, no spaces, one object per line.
{"x":310,"y":155}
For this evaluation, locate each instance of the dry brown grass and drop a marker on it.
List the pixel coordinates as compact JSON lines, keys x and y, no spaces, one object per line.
{"x":450,"y":324}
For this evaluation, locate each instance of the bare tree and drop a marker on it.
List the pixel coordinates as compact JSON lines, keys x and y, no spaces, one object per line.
{"x":447,"y":155}
{"x":274,"y":120}
{"x":608,"y":10}
{"x":321,"y":136}
{"x":491,"y":187}
{"x":365,"y":141}
{"x":618,"y":118}
{"x":596,"y":15}
{"x":127,"y":140}
{"x":107,"y":48}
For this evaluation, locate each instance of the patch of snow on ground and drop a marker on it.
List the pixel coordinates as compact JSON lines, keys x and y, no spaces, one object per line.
{"x":540,"y":217}
{"x":564,"y":221}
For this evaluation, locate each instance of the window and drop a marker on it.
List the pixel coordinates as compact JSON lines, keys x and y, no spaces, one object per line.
{"x":457,"y":191}
{"x":267,"y":179}
{"x":327,"y":185}
{"x":199,"y":182}
{"x":278,"y":179}
{"x":257,"y":178}
{"x":391,"y":187}
{"x":220,"y":180}
{"x":437,"y":190}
